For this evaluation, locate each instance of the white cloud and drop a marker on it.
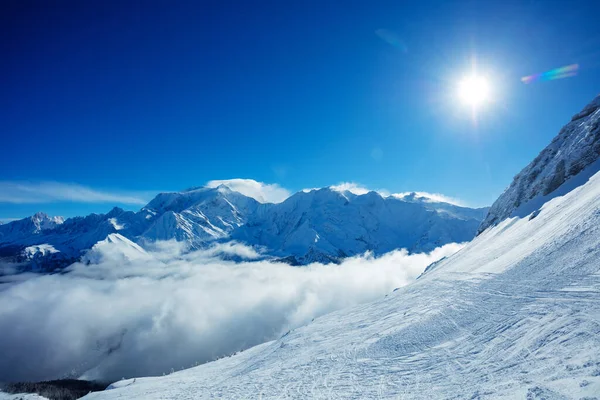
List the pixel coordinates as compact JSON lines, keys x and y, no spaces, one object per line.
{"x":359,"y":189}
{"x":144,"y":316}
{"x":350,"y":187}
{"x":50,"y":192}
{"x":261,"y":192}
{"x":431,"y":197}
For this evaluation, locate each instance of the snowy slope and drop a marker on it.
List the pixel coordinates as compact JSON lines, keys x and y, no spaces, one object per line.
{"x":320,"y":225}
{"x":515,"y":314}
{"x":575,"y":150}
{"x":122,"y":249}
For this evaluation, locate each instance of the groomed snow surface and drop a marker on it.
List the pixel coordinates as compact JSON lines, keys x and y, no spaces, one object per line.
{"x":515,"y":314}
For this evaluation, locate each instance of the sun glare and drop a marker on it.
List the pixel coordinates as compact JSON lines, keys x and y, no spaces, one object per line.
{"x":474,"y":91}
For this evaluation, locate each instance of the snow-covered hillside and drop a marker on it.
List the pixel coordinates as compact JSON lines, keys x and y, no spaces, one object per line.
{"x":514,"y":314}
{"x":573,"y":152}
{"x":319,"y":225}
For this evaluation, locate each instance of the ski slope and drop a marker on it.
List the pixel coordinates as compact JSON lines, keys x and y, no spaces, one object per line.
{"x":515,"y":314}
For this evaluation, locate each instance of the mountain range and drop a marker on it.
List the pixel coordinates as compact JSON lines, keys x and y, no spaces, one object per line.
{"x":318,"y":225}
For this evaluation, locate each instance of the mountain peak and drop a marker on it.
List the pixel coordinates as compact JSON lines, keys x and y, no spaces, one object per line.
{"x":222,"y":188}
{"x":588,"y":109}
{"x":39,"y":216}
{"x":42,"y":221}
{"x":410,"y":196}
{"x":194,"y":189}
{"x":116,"y":211}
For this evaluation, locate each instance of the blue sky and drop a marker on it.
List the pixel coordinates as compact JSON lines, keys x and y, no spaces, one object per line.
{"x":105,"y":103}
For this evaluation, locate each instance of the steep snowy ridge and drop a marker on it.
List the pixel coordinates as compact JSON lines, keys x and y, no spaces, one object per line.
{"x":513,"y":315}
{"x":573,"y":151}
{"x":320,"y":225}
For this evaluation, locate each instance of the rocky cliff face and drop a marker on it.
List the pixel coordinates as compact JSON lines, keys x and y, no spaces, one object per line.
{"x":568,"y":160}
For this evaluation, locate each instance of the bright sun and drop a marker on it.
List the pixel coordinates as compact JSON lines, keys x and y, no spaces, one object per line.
{"x":474,"y":91}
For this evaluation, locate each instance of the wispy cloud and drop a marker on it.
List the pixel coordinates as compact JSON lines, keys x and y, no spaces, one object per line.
{"x":44,"y":192}
{"x":262,"y":192}
{"x":377,"y":153}
{"x":431,"y":197}
{"x":350,"y":187}
{"x":51,"y":192}
{"x":359,"y":189}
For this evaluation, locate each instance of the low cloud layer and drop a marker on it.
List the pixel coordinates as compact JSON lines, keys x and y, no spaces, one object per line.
{"x":50,"y":192}
{"x":259,"y":191}
{"x":141,"y":315}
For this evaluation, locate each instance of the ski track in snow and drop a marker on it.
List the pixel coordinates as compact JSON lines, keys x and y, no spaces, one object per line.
{"x":515,"y":314}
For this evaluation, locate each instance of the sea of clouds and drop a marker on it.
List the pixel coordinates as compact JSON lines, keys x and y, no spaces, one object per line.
{"x":126,"y":313}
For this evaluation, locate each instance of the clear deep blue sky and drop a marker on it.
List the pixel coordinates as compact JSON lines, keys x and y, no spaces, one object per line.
{"x":150,"y":95}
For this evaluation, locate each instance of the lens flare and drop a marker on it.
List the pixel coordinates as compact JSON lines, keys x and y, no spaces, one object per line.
{"x":557,"y":73}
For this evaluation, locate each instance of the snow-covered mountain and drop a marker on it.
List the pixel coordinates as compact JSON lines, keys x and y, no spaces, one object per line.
{"x":514,"y":314}
{"x":318,"y":225}
{"x":198,"y":215}
{"x":27,"y":227}
{"x":326,"y":224}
